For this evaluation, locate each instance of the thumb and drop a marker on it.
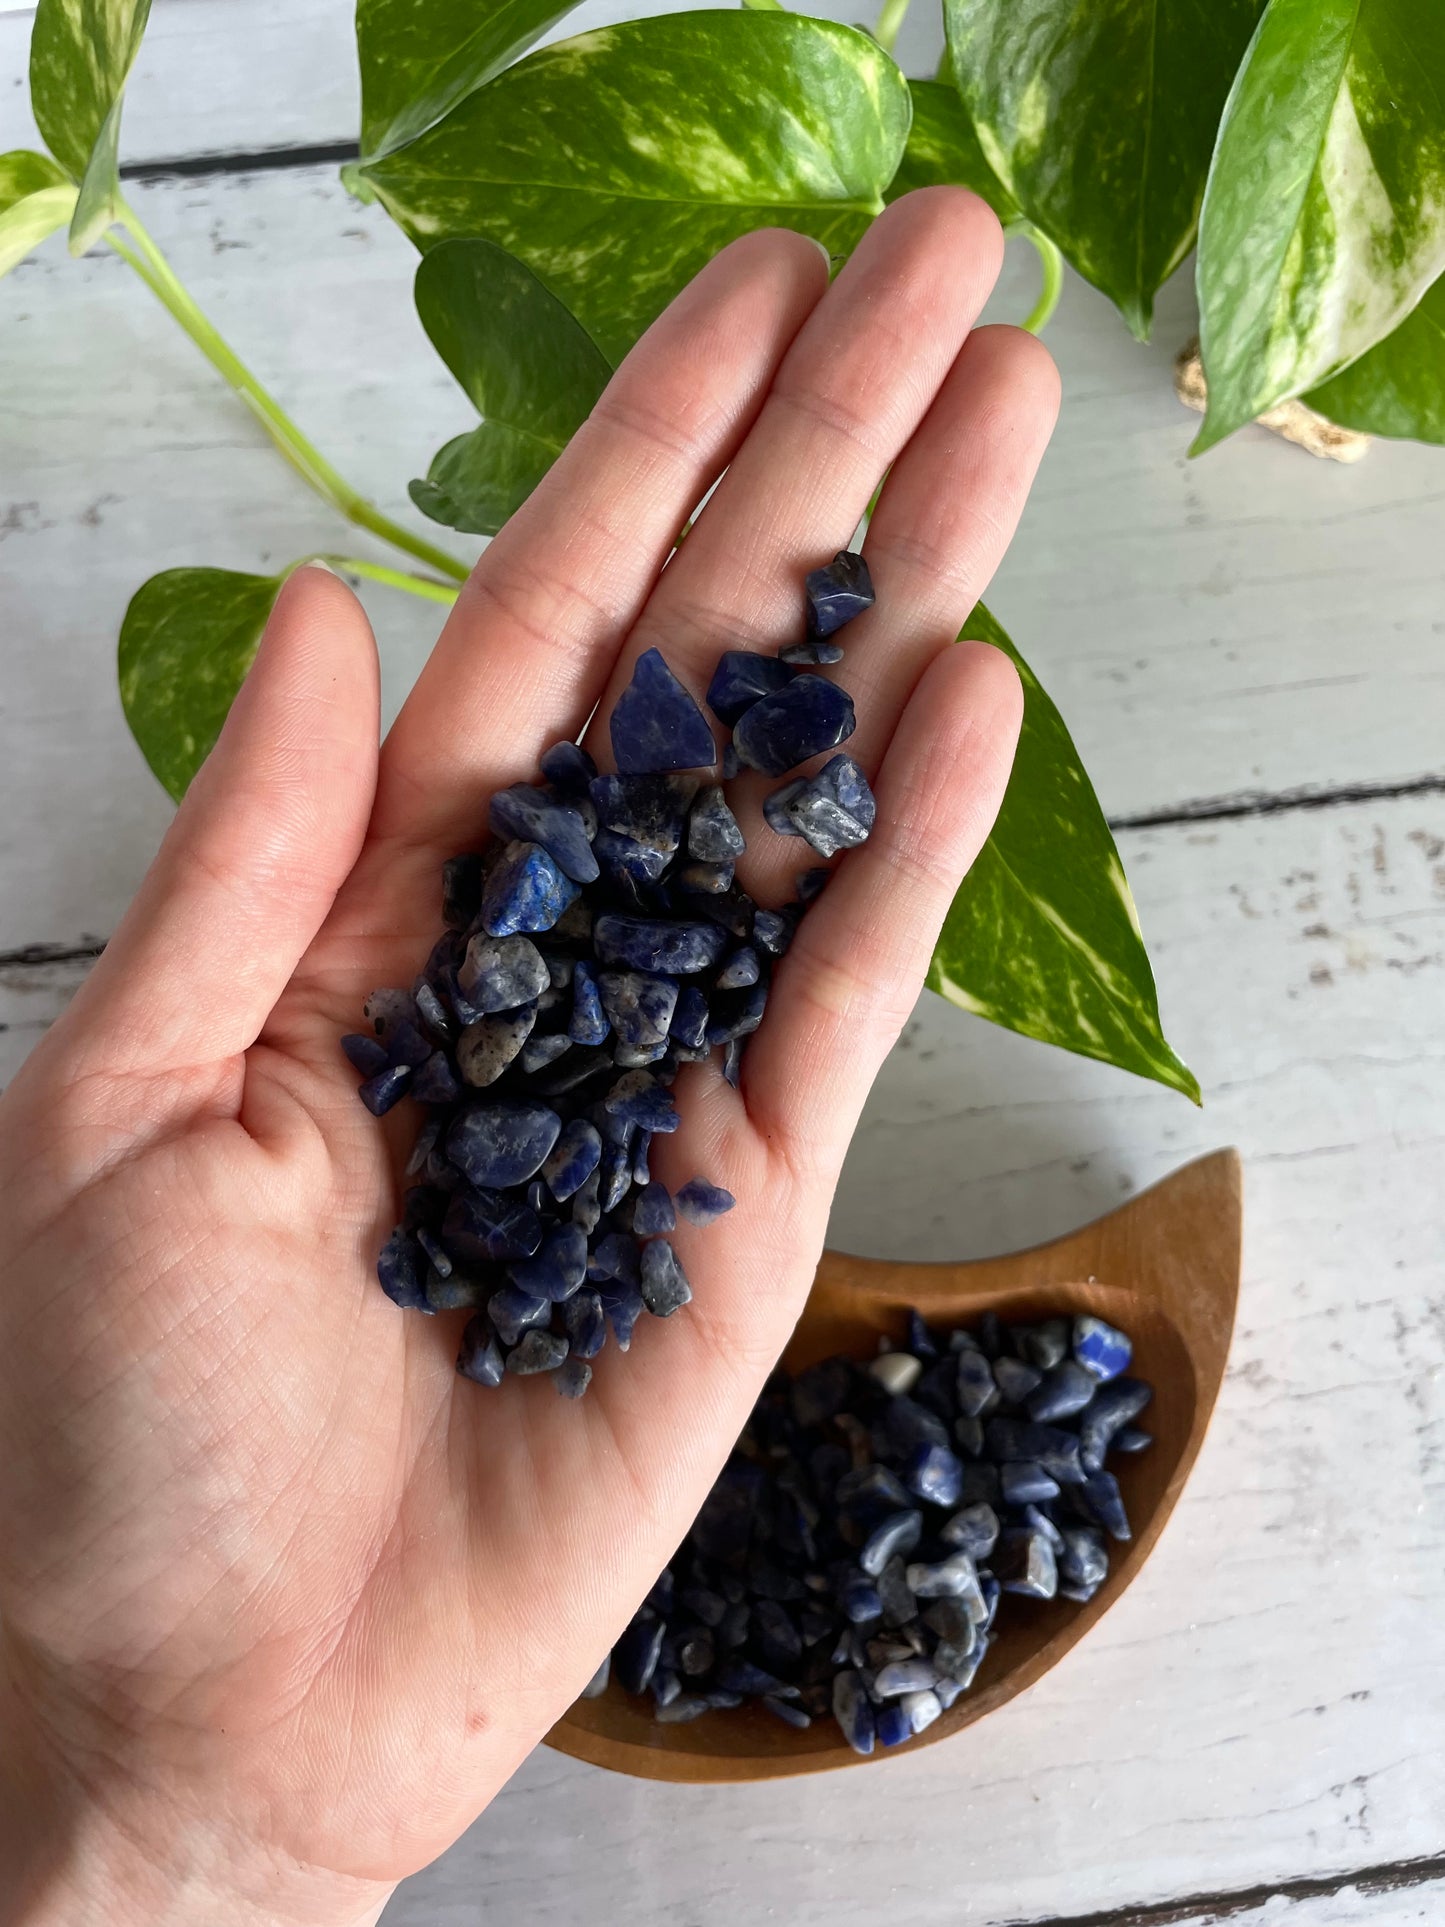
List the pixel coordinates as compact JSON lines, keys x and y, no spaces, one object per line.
{"x":268,"y":832}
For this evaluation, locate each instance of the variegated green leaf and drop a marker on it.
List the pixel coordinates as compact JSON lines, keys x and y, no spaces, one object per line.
{"x":1043,"y":937}
{"x":36,"y":198}
{"x":616,"y":164}
{"x":80,"y":54}
{"x":1398,"y":387}
{"x":420,"y":57}
{"x":1324,"y":218}
{"x":943,"y":149}
{"x":187,"y":640}
{"x":1099,"y":117}
{"x":531,"y":371}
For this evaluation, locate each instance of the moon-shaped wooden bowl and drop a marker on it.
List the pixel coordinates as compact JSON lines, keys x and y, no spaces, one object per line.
{"x":1164,"y":1267}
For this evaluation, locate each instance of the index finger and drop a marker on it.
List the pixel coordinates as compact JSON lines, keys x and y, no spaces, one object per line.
{"x":530,"y":644}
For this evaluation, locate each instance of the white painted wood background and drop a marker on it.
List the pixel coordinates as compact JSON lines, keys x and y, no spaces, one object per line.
{"x":1251,"y":651}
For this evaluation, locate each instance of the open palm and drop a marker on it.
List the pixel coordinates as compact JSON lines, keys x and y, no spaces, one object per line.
{"x":284,"y":1599}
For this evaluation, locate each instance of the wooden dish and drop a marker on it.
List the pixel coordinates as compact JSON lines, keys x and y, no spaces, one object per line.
{"x":1164,"y":1267}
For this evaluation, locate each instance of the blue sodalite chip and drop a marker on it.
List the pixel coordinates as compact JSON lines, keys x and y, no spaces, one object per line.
{"x":1102,"y":1502}
{"x":1048,"y":1445}
{"x":934,"y":1473}
{"x":630,"y":865}
{"x":741,"y":969}
{"x":514,"y":1311}
{"x":653,"y":1214}
{"x":638,"y":1099}
{"x":538,"y":1052}
{"x":490,"y":1227}
{"x":639,"y":1006}
{"x":1015,"y":1380}
{"x":585,"y":1323}
{"x":487,"y":1047}
{"x":1083,"y":1558}
{"x":624,"y":1307}
{"x":713,"y":835}
{"x":401,"y":1269}
{"x":502,"y":1143}
{"x":558,"y":1267}
{"x":365,"y":1054}
{"x":380,"y":1093}
{"x":526,"y":891}
{"x":701,"y":1202}
{"x":1025,"y":1483}
{"x":812,"y":654}
{"x":1064,"y":1390}
{"x":568,"y":768}
{"x":853,"y":1710}
{"x":690,"y":1018}
{"x":786,"y":728}
{"x":1024,"y":1562}
{"x":529,"y":815}
{"x":655,"y":724}
{"x":436,"y":1082}
{"x":977,"y":1389}
{"x":658,"y":947}
{"x":893,"y":1538}
{"x":742,"y":679}
{"x":536,"y":1351}
{"x":572,"y":1159}
{"x":650,"y":810}
{"x":1113,"y":1406}
{"x":1102,"y":1350}
{"x":834,"y":810}
{"x":571,"y":1378}
{"x":480,"y":1357}
{"x":973,"y":1530}
{"x":836,"y":593}
{"x":664,"y":1282}
{"x":588,"y":1023}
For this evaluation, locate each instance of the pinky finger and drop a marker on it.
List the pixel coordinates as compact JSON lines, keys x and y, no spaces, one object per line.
{"x":858,"y":962}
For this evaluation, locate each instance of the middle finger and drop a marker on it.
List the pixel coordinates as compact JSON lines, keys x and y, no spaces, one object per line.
{"x":850,"y":392}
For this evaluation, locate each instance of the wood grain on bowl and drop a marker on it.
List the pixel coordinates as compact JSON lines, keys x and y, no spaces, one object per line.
{"x":1165,"y":1269}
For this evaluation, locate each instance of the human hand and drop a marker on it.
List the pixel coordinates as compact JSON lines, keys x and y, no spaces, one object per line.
{"x":284,"y":1600}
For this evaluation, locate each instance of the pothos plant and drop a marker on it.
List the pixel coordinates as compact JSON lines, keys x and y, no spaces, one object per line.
{"x":559,"y":198}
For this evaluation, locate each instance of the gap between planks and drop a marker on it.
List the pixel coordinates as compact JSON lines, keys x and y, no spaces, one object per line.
{"x":1219,"y":809}
{"x":1395,"y":1876}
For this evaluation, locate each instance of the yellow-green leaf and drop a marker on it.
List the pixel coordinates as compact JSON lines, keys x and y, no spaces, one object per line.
{"x":420,"y":57}
{"x":187,"y":640}
{"x":1099,"y":116}
{"x":80,"y":54}
{"x":617,"y":163}
{"x":1324,"y":218}
{"x":1043,"y":937}
{"x":36,"y":198}
{"x":1397,"y":387}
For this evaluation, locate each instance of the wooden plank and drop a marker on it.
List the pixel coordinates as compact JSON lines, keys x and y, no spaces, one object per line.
{"x":1201,"y":637}
{"x":1268,"y":1701}
{"x":215,"y":78}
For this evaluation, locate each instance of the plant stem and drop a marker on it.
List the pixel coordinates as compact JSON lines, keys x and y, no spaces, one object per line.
{"x":419,"y":585}
{"x":1052,"y":263}
{"x":889,"y":21}
{"x":154,"y":269}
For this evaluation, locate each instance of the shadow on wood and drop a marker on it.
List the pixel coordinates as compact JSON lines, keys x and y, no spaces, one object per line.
{"x":1164,"y":1267}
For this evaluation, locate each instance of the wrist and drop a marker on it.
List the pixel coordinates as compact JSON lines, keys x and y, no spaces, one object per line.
{"x":77,"y":1846}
